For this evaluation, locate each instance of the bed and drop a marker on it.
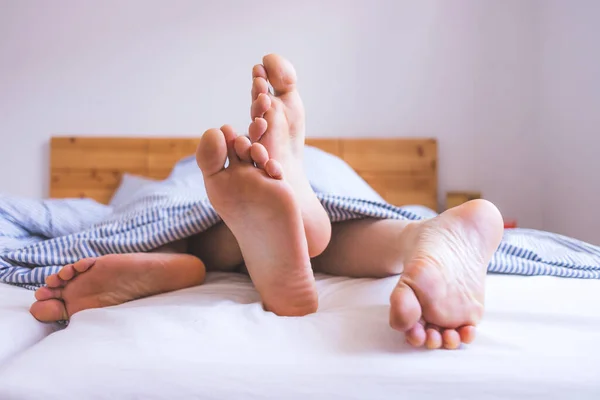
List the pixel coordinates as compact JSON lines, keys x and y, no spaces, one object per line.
{"x":19,"y":331}
{"x":538,"y":339}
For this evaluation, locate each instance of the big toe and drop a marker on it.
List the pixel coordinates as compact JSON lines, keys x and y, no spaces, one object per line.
{"x":405,"y":310}
{"x":416,"y":335}
{"x":281,"y":73}
{"x":212,"y":152}
{"x":49,"y":311}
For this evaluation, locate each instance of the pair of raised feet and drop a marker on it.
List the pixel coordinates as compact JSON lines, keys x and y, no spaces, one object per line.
{"x":279,"y":224}
{"x":265,"y":199}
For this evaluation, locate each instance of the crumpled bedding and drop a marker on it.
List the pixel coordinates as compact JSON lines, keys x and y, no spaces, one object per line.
{"x":38,"y":237}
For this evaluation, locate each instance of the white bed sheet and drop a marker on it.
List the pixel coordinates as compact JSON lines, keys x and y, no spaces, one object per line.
{"x":540,"y":339}
{"x":18,"y":329}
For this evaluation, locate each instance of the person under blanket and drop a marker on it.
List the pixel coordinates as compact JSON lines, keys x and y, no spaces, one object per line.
{"x":274,"y":225}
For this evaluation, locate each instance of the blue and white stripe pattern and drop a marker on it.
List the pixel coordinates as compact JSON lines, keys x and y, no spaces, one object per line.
{"x":38,"y":237}
{"x":155,"y":220}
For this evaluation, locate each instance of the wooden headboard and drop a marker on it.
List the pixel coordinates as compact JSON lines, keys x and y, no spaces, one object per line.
{"x":403,"y":171}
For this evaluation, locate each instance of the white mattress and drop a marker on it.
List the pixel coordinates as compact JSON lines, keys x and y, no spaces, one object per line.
{"x":18,"y":329}
{"x":540,"y":339}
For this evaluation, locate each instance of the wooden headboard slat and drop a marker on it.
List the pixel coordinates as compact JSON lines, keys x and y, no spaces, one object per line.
{"x":332,"y":146}
{"x":407,"y":155}
{"x":86,"y":179}
{"x":403,"y":171}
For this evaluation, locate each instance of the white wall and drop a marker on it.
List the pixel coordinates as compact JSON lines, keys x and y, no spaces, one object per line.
{"x":461,"y":71}
{"x":569,"y":117}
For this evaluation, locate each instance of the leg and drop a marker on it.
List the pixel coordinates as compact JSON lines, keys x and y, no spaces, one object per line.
{"x":217,"y":248}
{"x":366,"y":248}
{"x":440,"y":295}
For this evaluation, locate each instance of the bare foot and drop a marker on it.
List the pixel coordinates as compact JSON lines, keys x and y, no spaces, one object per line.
{"x":440,"y":296}
{"x":261,"y":210}
{"x":278,"y":124}
{"x":113,"y":279}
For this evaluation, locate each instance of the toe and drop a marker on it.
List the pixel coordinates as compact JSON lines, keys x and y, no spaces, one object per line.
{"x":281,"y":74}
{"x":228,"y":133}
{"x":259,"y":71}
{"x":467,"y":333}
{"x":84,"y":264}
{"x":259,"y":155}
{"x":212,"y":152}
{"x":259,"y":85}
{"x":416,"y":336}
{"x":230,"y":137}
{"x":451,"y":339}
{"x":54,"y":281}
{"x":257,"y":128}
{"x":242,"y":148}
{"x":49,"y":311}
{"x":274,"y":169}
{"x":46,"y":293}
{"x":67,"y":272}
{"x":405,"y":311}
{"x":260,"y":106}
{"x":434,"y":338}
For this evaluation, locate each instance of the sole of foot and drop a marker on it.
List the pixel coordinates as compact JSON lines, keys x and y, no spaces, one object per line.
{"x":113,"y":279}
{"x":260,"y":208}
{"x":440,"y":296}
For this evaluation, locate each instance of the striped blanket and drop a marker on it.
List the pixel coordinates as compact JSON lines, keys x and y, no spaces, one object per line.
{"x":38,"y":237}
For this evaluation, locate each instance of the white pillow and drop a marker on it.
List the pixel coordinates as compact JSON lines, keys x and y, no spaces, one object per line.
{"x":130,"y":185}
{"x":339,"y":179}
